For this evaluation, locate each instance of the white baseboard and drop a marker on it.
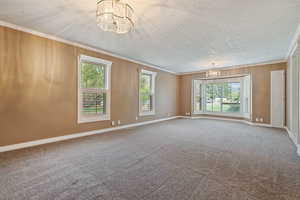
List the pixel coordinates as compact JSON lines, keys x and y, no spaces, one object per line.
{"x":185,"y":117}
{"x":263,"y":125}
{"x":292,"y":136}
{"x":229,"y":119}
{"x":294,"y":140}
{"x":94,"y":132}
{"x":77,"y":135}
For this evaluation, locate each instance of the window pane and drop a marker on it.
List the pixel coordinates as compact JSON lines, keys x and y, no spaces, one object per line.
{"x":217,"y":97}
{"x":146,"y":82}
{"x":93,"y":102}
{"x":92,"y":75}
{"x":231,"y":100}
{"x":146,"y":97}
{"x":197,"y":96}
{"x":209,"y":97}
{"x":147,"y":103}
{"x":213,"y":97}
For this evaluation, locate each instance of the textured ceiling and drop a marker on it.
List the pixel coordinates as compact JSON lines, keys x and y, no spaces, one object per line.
{"x":177,"y":35}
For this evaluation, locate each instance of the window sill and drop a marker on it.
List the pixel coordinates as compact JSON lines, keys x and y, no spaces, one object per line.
{"x":94,"y":119}
{"x":147,"y":114}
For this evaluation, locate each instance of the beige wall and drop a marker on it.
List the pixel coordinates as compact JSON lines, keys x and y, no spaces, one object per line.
{"x":38,"y":85}
{"x":261,"y":88}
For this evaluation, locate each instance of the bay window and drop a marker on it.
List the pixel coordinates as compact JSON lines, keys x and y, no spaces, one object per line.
{"x":222,"y":96}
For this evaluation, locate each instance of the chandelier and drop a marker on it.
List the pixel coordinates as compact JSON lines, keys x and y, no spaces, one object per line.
{"x":115,"y":16}
{"x":213,"y":73}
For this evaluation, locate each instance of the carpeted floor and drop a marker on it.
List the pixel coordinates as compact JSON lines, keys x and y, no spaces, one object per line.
{"x":174,"y":160}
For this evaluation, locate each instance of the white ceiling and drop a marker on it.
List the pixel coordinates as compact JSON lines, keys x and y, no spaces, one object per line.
{"x":178,"y":35}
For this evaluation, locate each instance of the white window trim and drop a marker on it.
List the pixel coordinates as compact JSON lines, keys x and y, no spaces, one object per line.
{"x":80,"y":118}
{"x":193,"y":95}
{"x":204,"y":82}
{"x":153,"y":74}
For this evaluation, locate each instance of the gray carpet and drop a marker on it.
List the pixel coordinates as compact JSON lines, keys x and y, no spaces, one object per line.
{"x":174,"y":160}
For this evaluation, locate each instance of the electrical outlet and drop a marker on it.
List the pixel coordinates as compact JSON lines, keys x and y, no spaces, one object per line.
{"x":136,"y":118}
{"x":261,"y":119}
{"x":112,"y":123}
{"x":119,"y":122}
{"x":256,"y":119}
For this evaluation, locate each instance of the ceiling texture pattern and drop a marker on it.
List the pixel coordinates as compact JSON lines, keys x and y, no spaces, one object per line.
{"x":177,"y":35}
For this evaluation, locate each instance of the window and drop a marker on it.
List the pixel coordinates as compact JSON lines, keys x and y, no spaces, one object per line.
{"x":231,"y":101}
{"x":197,"y":96}
{"x":222,"y":96}
{"x":147,"y":92}
{"x":94,"y":89}
{"x":213,"y":95}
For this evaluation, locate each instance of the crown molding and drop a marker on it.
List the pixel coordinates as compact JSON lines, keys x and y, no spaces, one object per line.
{"x":294,"y":43}
{"x":58,"y":39}
{"x":293,"y":50}
{"x":235,"y":67}
{"x":293,"y":46}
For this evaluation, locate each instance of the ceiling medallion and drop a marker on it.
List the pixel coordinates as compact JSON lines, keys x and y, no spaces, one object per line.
{"x":114,"y":16}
